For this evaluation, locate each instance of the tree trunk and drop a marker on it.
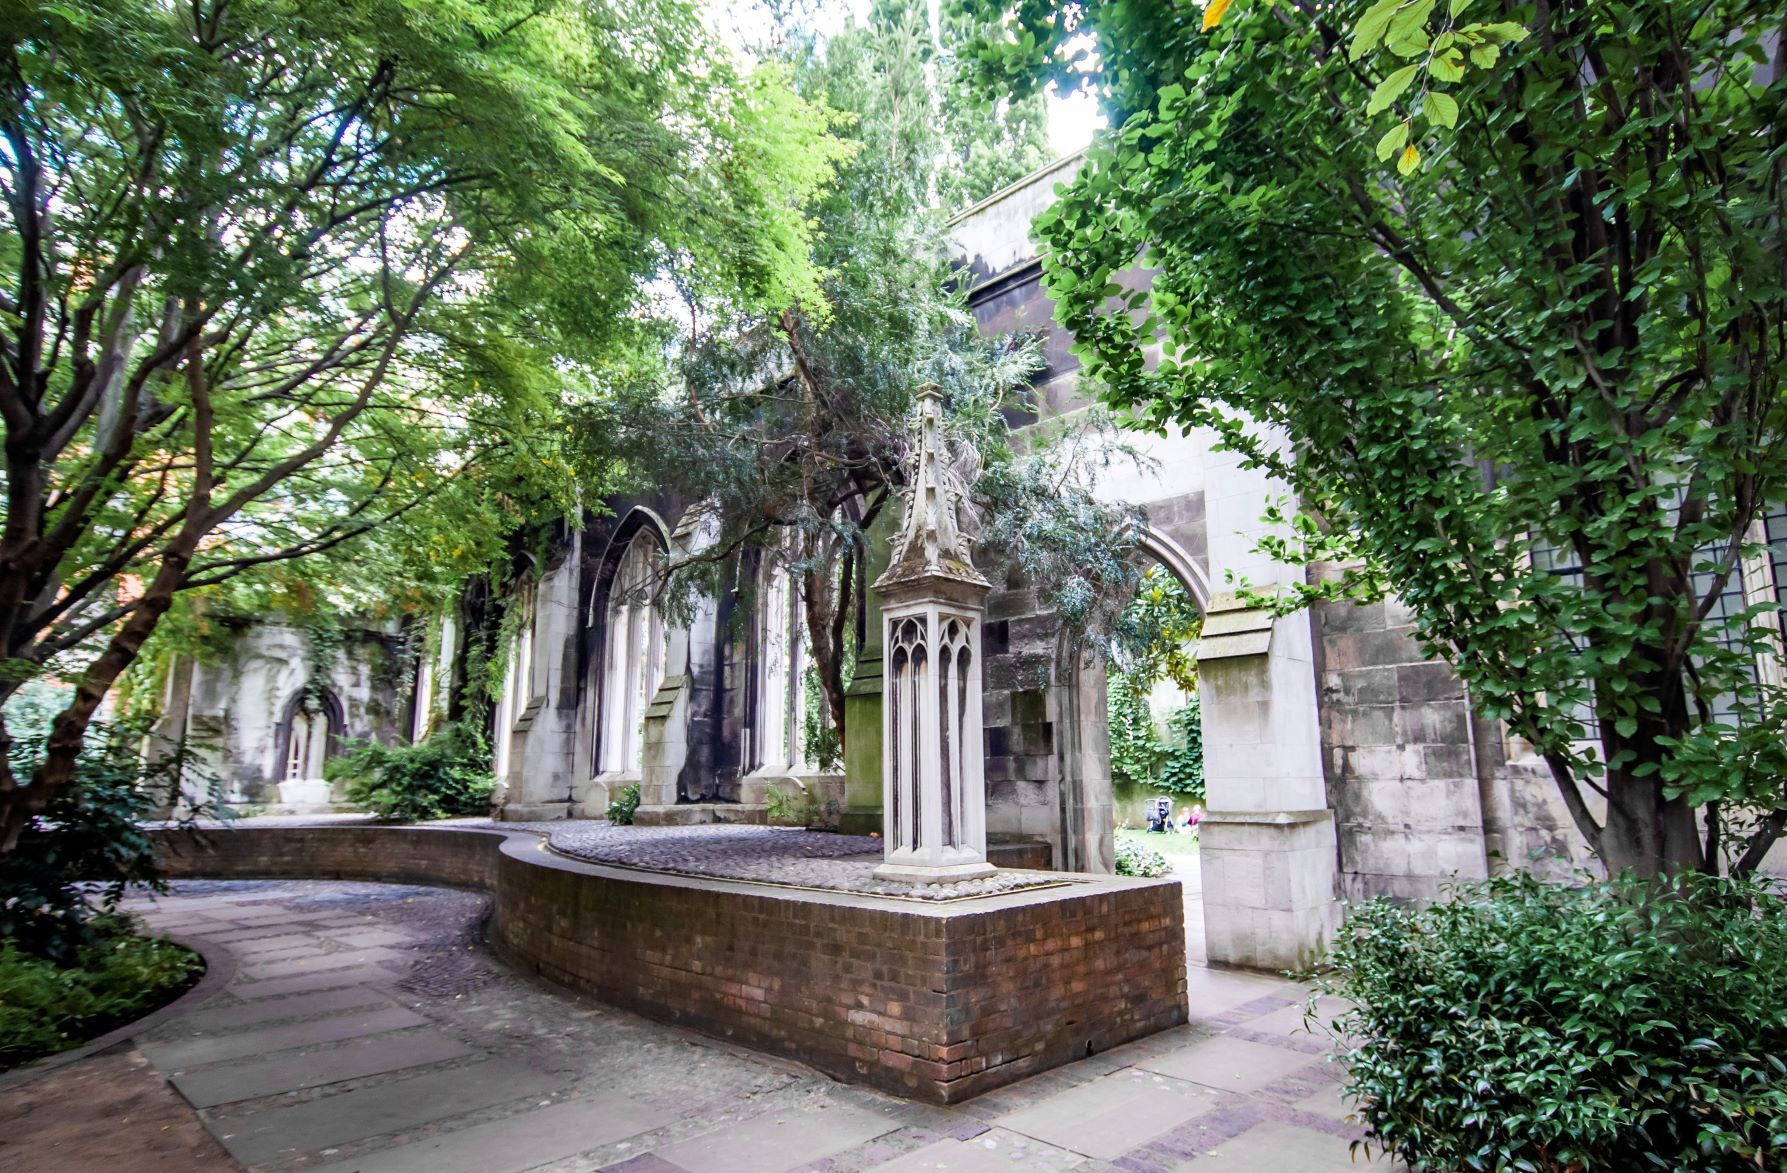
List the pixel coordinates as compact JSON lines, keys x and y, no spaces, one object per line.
{"x":20,"y":804}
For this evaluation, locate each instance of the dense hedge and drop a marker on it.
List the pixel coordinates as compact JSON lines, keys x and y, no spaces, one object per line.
{"x":1613,"y":1027}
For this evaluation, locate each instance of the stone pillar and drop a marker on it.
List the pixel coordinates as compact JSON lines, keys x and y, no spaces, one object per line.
{"x":862,"y":700}
{"x":1268,"y":839}
{"x":933,"y":605}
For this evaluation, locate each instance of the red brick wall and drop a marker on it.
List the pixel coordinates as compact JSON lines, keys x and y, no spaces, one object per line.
{"x":937,"y":1002}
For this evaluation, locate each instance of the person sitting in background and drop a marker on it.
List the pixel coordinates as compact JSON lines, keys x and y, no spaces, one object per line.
{"x":1190,"y":817}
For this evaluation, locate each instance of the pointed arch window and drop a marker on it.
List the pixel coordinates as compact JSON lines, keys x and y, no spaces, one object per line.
{"x":777,"y":728}
{"x":312,"y":725}
{"x":634,"y":653}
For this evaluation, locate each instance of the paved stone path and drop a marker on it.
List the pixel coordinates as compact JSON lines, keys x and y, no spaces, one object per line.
{"x":367,"y":1029}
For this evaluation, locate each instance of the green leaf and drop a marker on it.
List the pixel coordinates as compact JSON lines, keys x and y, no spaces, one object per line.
{"x":1447,"y":66}
{"x":1440,"y":109}
{"x":1370,"y":28}
{"x":1411,"y":159}
{"x":1390,"y":89}
{"x":1506,"y":31}
{"x":1394,"y":139}
{"x":1457,"y":7}
{"x":1485,"y":55}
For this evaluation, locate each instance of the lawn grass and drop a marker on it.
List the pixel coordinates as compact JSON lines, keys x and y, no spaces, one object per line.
{"x":1165,"y":844}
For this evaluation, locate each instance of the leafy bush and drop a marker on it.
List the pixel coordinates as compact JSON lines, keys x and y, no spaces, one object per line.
{"x":1182,"y":765}
{"x":1136,"y":751}
{"x":1615,"y":1026}
{"x":77,"y":858}
{"x":1135,"y":860}
{"x":1139,"y":754}
{"x":823,"y":745}
{"x":112,"y":978}
{"x":798,"y":807}
{"x":445,"y":774}
{"x":620,"y":811}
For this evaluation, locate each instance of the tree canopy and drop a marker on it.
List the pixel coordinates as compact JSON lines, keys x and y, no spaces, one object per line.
{"x":1532,"y":382}
{"x":286,"y":279}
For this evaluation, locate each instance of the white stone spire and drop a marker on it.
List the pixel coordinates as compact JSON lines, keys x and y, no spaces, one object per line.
{"x":930,"y":542}
{"x":933,"y":766}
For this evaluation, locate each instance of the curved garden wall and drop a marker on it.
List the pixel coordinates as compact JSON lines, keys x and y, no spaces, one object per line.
{"x":935,"y":1000}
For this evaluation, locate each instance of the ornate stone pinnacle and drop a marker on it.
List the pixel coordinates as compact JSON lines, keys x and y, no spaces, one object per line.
{"x":930,"y":543}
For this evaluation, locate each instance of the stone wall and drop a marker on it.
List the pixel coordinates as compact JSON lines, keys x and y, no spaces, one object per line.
{"x":234,"y":709}
{"x":1423,"y":790}
{"x":936,"y":1001}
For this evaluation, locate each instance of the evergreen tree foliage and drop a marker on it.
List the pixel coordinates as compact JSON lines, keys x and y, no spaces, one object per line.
{"x":791,"y":425}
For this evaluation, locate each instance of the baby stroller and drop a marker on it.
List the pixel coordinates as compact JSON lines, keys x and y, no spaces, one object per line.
{"x":1160,"y":816}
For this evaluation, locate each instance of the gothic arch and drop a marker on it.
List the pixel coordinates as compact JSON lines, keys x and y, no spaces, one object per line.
{"x":296,"y":717}
{"x":629,"y":629}
{"x":1179,"y":564}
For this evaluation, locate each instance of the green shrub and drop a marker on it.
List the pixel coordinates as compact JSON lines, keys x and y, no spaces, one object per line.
{"x":620,"y":811}
{"x":1182,"y":763}
{"x":113,"y":978}
{"x":445,"y":774}
{"x":797,"y":807}
{"x":76,"y":859}
{"x":1605,"y":1027}
{"x":1139,"y":754}
{"x":1135,"y":860}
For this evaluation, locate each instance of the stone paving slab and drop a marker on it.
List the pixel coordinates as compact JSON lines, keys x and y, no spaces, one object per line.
{"x":256,"y":947}
{"x":522,"y":1141}
{"x":196,"y":1052}
{"x":1108,"y":1117}
{"x":211,"y":1086}
{"x":332,"y":1120}
{"x":328,"y":979}
{"x":1232,"y":1064}
{"x":317,"y":962}
{"x":1283,"y":1148}
{"x":269,"y":1010}
{"x":366,"y":937}
{"x":777,"y":1141}
{"x":993,"y":1152}
{"x":550,"y":1082}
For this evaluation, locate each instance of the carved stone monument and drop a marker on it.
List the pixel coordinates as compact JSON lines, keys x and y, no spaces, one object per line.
{"x":933,"y":602}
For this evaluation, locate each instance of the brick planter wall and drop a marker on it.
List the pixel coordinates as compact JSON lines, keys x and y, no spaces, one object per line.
{"x":939,"y":1002}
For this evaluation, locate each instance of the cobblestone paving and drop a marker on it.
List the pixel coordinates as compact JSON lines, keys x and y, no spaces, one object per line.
{"x":775,"y":855}
{"x":366,"y":1029}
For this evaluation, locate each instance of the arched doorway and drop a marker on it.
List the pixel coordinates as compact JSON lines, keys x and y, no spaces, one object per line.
{"x":309,"y":734}
{"x":1155,"y":727}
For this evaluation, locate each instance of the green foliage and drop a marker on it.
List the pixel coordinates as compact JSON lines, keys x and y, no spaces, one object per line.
{"x":1603,"y":1028}
{"x":1174,"y":763}
{"x":1182,"y":765}
{"x":989,"y":142}
{"x":824,"y":747}
{"x":624,"y":804}
{"x":792,"y":422}
{"x":1156,"y":636}
{"x":77,"y":858}
{"x":445,"y":774}
{"x":1133,"y":859}
{"x":1534,"y":386}
{"x":315,"y":283}
{"x":1136,"y":751}
{"x":1154,"y":639}
{"x":109,"y":980}
{"x":796,"y":808}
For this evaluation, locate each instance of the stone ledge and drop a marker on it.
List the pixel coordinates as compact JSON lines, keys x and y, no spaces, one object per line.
{"x":939,"y":1002}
